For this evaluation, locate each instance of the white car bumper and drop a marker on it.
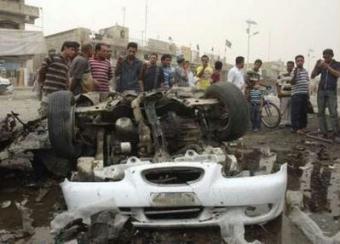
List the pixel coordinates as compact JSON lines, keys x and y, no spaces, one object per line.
{"x":205,"y":201}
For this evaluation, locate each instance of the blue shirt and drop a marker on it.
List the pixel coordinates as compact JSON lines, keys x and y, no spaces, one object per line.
{"x":128,"y":74}
{"x":168,"y":76}
{"x":255,"y":96}
{"x":329,"y":81}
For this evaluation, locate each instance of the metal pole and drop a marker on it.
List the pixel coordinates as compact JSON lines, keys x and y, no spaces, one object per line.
{"x":124,"y":15}
{"x":248,"y":49}
{"x":225,"y":54}
{"x":248,"y":52}
{"x":146,"y":20}
{"x":269,"y":44}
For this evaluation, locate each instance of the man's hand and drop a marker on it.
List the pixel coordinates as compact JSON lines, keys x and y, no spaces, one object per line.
{"x":324,"y":65}
{"x":319,"y":63}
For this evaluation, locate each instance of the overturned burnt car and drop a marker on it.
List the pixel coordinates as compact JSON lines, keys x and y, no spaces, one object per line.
{"x":160,"y":158}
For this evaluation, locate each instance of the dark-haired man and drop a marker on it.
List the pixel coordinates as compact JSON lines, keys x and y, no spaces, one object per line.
{"x":300,"y":96}
{"x":81,"y":81}
{"x":327,"y":92}
{"x":168,"y":71}
{"x":181,"y":76}
{"x":216,"y":76}
{"x":284,"y":90}
{"x":101,"y":69}
{"x":235,"y":74}
{"x":53,"y":72}
{"x":152,"y":76}
{"x":204,"y":73}
{"x":128,"y":70}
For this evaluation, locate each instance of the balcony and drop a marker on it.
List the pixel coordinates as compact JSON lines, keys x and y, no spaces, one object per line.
{"x":18,"y":9}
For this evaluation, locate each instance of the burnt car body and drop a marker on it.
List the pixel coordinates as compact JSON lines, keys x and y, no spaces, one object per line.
{"x":160,"y":158}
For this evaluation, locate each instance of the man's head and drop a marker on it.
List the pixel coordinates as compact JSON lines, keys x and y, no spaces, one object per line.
{"x":153,"y":58}
{"x":239,"y":62}
{"x":166,"y":59}
{"x":205,"y":60}
{"x":70,"y":49}
{"x":101,"y":51}
{"x":257,"y":64}
{"x":132,"y":48}
{"x":299,"y":60}
{"x":186,"y":64}
{"x":180,"y":60}
{"x":328,"y":55}
{"x":87,"y":50}
{"x":52,"y":52}
{"x":290,"y":66}
{"x":218,"y":65}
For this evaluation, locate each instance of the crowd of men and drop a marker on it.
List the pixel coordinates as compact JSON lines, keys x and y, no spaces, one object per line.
{"x":293,"y":90}
{"x":91,"y":70}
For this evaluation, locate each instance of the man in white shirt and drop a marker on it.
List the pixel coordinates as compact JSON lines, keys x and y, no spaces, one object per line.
{"x":235,"y":74}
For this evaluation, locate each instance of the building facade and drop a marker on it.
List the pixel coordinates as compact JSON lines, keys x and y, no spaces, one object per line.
{"x":18,"y":46}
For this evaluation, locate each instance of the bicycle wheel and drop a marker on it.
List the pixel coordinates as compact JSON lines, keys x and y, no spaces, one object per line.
{"x":271,"y":116}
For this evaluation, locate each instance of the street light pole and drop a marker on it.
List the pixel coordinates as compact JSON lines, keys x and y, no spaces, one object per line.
{"x":310,"y":51}
{"x":146,"y":20}
{"x":250,"y":23}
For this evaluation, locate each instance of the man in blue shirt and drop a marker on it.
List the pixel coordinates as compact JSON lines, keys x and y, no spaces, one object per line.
{"x":128,"y":70}
{"x":168,"y":71}
{"x":327,"y":92}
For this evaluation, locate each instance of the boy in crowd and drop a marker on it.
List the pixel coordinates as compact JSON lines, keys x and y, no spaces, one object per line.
{"x":168,"y":71}
{"x":255,"y":101}
{"x":216,"y":76}
{"x":152,"y":76}
{"x":284,"y":89}
{"x":300,"y":96}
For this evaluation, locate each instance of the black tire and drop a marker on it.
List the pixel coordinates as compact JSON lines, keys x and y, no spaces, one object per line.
{"x":233,"y":101}
{"x":61,"y":124}
{"x":271,"y":115}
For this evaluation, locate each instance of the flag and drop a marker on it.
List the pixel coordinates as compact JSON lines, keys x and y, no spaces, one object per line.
{"x":228,"y":43}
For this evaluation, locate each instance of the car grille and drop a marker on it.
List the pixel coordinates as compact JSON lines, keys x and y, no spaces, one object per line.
{"x":173,"y":175}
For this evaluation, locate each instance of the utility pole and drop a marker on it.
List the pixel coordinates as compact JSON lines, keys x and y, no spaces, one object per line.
{"x":269,"y":45}
{"x":310,"y":51}
{"x":124,"y":15}
{"x":250,"y":34}
{"x":146,"y":20}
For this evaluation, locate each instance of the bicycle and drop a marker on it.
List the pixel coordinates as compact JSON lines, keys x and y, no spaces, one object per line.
{"x":270,"y":113}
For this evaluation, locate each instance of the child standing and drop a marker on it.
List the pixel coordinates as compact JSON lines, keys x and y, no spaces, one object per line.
{"x":255,"y":100}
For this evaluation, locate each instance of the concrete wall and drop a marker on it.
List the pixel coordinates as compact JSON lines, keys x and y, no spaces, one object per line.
{"x":55,"y":41}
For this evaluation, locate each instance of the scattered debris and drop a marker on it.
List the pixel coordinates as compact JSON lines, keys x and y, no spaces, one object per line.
{"x":25,"y":217}
{"x":9,"y":237}
{"x":42,"y":193}
{"x":305,"y":223}
{"x":5,"y":204}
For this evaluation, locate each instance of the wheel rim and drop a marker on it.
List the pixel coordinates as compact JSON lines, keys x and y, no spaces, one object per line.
{"x":271,"y":116}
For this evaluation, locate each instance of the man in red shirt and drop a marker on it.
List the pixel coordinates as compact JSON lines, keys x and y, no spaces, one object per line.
{"x":101,"y":69}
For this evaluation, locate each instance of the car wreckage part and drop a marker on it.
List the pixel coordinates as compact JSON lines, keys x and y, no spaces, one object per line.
{"x":61,"y":124}
{"x":204,"y":196}
{"x":233,"y":116}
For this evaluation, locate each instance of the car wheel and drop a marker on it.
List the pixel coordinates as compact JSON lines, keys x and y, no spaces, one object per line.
{"x":61,"y":124}
{"x":233,"y":120}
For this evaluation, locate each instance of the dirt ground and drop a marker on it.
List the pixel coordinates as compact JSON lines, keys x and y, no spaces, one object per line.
{"x":15,"y":185}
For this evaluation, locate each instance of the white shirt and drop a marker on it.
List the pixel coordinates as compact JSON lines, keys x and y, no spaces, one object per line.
{"x":236,"y":77}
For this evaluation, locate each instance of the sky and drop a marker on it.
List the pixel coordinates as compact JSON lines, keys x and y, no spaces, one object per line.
{"x":285,"y":28}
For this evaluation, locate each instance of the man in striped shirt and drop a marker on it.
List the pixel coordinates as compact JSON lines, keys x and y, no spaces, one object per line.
{"x":300,"y":96}
{"x":53,"y":73}
{"x":101,"y":69}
